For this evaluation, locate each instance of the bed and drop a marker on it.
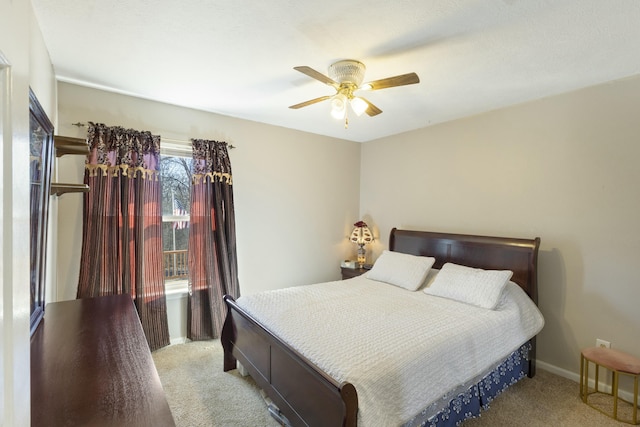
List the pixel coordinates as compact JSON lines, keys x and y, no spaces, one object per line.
{"x":307,"y":395}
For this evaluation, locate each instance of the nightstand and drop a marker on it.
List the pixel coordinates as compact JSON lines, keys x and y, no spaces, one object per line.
{"x":348,"y":273}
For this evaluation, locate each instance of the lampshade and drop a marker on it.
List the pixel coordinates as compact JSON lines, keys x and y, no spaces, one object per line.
{"x":338,"y":106}
{"x":358,"y":105}
{"x":361,"y":233}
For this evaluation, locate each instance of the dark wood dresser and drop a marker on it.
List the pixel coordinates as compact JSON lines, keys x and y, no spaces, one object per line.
{"x":91,"y":365}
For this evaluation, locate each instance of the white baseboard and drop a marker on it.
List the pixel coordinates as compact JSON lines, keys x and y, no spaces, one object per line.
{"x":558,"y":371}
{"x":574,"y":376}
{"x":242,"y":370}
{"x":178,"y":340}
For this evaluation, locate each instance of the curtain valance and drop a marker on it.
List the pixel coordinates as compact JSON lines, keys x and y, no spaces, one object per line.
{"x":211,"y":161}
{"x":117,"y":151}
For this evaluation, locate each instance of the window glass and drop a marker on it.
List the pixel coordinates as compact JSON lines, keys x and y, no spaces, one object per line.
{"x":175,"y":178}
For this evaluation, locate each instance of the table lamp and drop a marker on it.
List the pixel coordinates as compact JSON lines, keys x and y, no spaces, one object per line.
{"x":361,"y":235}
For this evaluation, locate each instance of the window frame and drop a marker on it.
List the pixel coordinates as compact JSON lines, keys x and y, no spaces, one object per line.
{"x":175,"y":288}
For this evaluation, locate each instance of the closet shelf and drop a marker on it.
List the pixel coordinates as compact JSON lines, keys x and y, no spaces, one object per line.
{"x":69,"y":145}
{"x":58,"y":189}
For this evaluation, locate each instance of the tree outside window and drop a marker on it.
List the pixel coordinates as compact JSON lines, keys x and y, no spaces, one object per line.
{"x":175,"y":175}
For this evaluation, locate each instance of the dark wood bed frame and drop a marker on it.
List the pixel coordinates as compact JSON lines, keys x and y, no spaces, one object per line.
{"x":304,"y":394}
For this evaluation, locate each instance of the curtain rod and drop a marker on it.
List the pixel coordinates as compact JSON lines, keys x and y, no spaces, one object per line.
{"x":231,"y":146}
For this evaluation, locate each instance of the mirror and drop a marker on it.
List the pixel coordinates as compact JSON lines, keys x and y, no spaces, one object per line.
{"x":40,"y":164}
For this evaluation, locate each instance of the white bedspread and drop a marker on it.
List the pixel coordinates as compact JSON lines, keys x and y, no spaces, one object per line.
{"x":401,"y":350}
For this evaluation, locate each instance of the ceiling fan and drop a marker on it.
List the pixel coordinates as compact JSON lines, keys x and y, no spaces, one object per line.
{"x":346,"y":77}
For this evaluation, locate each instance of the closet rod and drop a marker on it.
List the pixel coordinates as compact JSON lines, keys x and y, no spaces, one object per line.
{"x":180,"y":141}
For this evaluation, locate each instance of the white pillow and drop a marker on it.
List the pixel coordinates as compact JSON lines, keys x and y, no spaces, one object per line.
{"x":431,"y":276}
{"x":404,"y":270}
{"x":470,"y":285}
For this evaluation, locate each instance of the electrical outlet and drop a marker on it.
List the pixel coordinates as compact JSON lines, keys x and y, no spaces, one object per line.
{"x":602,"y":343}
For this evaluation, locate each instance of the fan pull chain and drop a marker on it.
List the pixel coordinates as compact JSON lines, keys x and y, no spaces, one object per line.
{"x":346,"y":118}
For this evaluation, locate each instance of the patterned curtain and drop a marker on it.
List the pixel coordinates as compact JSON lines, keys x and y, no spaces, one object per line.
{"x":122,"y":234}
{"x":213,"y":267}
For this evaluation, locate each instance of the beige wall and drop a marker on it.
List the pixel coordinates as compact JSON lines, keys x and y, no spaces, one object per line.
{"x":564,"y":169}
{"x":24,"y":62}
{"x":296,"y":194}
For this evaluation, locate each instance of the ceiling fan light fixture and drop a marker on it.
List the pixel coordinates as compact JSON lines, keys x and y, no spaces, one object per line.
{"x":338,"y":106}
{"x":358,"y":105}
{"x":346,"y":77}
{"x":347,"y":70}
{"x":337,"y":114}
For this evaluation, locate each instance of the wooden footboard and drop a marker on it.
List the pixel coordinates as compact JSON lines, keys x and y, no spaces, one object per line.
{"x":305,"y":395}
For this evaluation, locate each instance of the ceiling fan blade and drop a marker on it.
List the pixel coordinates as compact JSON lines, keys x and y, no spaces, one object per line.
{"x":371,"y":110}
{"x":309,"y":102}
{"x":317,"y":75}
{"x":401,"y":80}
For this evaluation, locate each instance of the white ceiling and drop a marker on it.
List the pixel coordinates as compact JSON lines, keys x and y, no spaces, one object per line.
{"x":236,"y":57}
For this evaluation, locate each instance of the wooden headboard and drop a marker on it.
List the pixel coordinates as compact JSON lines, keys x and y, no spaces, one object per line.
{"x":489,"y":253}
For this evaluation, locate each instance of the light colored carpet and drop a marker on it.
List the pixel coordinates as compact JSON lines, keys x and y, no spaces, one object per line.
{"x":201,"y":394}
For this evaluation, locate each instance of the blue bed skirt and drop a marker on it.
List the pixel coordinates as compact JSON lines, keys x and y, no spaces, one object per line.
{"x":477,"y":397}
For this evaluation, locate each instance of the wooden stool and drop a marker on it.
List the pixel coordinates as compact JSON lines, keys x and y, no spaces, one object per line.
{"x":618,"y":363}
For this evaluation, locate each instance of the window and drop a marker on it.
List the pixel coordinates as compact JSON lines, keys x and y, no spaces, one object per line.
{"x":175,"y":176}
